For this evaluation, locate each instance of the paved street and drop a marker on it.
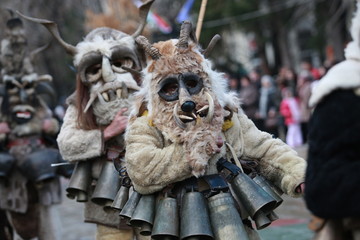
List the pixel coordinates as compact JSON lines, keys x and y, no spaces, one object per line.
{"x":291,"y":225}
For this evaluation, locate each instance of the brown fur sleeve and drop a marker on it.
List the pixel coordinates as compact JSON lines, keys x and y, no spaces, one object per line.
{"x":151,"y":164}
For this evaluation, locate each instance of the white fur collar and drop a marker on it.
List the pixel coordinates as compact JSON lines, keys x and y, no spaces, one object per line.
{"x":345,"y":75}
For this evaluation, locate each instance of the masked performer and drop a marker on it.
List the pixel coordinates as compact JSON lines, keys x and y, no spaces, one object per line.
{"x":29,"y":186}
{"x":107,"y":63}
{"x":185,"y":141}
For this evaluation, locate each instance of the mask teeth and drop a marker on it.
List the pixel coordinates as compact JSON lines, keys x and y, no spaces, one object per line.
{"x":178,"y":121}
{"x":105,"y":96}
{"x":210,"y":114}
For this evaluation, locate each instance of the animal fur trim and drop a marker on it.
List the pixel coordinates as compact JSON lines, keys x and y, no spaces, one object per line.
{"x":345,"y":75}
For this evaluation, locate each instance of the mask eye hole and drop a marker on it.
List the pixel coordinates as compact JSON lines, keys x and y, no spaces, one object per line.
{"x":193,"y":83}
{"x":10,"y":85}
{"x":29,"y":85}
{"x":169,"y":89}
{"x":122,"y":62}
{"x":94,"y":69}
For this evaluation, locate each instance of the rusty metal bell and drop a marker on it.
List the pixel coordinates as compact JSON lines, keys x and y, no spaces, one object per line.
{"x":129,"y":208}
{"x":262,"y":182}
{"x":225,"y":219}
{"x":121,"y":198}
{"x":166,"y":223}
{"x":194,"y":220}
{"x":143,"y":217}
{"x":252,"y":195}
{"x":79,"y":182}
{"x":107,"y":185}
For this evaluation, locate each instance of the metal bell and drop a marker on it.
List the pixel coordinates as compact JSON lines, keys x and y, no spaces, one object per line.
{"x":195,"y":221}
{"x":252,"y":195}
{"x":261,"y":220}
{"x":225,"y":219}
{"x":79,"y":182}
{"x":121,"y":198}
{"x":107,"y":185}
{"x":166,"y":223}
{"x":243,"y":213}
{"x":144,"y":213}
{"x":262,"y":182}
{"x":273,"y":216}
{"x":129,"y":208}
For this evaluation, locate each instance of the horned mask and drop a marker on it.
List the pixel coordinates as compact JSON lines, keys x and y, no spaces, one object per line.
{"x":22,"y":97}
{"x":186,"y":100}
{"x":108,"y":63}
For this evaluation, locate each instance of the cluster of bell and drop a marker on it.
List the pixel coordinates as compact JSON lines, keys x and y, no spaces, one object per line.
{"x":108,"y":197}
{"x":199,"y":218}
{"x":256,"y":196}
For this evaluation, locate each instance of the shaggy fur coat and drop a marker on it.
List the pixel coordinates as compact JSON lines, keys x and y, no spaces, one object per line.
{"x":163,"y":162}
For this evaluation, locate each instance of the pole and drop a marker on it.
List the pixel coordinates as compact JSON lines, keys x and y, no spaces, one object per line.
{"x":200,"y":18}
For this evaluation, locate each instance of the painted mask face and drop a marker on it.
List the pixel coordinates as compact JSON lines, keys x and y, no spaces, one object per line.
{"x":184,"y":97}
{"x":107,"y":60}
{"x":108,"y":64}
{"x":21,"y":96}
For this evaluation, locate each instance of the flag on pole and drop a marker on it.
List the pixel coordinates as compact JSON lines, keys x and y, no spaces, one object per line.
{"x":184,"y":13}
{"x":159,"y":22}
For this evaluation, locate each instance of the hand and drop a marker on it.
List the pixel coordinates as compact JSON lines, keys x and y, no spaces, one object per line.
{"x":117,"y":126}
{"x":4,"y":127}
{"x":48,"y":125}
{"x":300,"y":188}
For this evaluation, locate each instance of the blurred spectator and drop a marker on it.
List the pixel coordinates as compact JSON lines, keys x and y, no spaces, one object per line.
{"x":269,"y":102}
{"x":289,"y":80}
{"x":290,"y":110}
{"x":308,"y":67}
{"x":234,"y":84}
{"x":249,"y":96}
{"x":255,"y":77}
{"x":304,"y":91}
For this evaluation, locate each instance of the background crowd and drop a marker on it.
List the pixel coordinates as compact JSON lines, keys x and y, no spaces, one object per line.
{"x":278,"y":103}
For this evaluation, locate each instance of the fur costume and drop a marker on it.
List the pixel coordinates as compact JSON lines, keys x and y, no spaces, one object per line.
{"x":184,"y":118}
{"x":29,"y":186}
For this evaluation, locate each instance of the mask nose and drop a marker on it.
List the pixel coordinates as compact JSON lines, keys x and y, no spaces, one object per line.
{"x":107,"y":72}
{"x":23,"y":96}
{"x":188,"y":106}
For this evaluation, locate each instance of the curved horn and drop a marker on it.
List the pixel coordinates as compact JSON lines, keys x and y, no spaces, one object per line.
{"x":152,"y":51}
{"x":53,"y":29}
{"x":211,"y":45}
{"x":185,"y":32}
{"x":38,"y":50}
{"x":144,"y":10}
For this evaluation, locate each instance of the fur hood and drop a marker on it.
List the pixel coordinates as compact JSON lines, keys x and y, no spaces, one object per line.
{"x":345,"y":75}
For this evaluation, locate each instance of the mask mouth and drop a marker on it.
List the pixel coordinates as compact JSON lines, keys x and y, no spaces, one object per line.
{"x":111,"y":91}
{"x":203,"y":113}
{"x":23,"y":114}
